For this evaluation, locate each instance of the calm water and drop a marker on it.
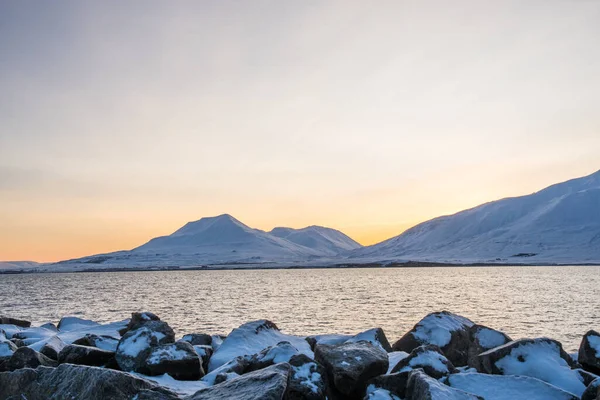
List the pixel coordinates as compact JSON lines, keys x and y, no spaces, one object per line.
{"x":559,"y":302}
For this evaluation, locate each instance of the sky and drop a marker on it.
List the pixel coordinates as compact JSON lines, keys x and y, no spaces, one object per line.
{"x":122,"y":120}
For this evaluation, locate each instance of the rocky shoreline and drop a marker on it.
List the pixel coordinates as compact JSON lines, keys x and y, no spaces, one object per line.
{"x":444,"y":356}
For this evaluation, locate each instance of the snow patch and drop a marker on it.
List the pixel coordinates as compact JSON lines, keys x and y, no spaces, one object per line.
{"x":489,"y":338}
{"x":436,"y":328}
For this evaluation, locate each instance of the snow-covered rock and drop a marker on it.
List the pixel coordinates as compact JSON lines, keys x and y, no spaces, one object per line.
{"x":135,"y":345}
{"x":33,"y":334}
{"x":204,"y":352}
{"x":313,"y":340}
{"x":307,"y":380}
{"x":589,"y":352}
{"x":592,"y":392}
{"x":7,"y":349}
{"x":448,"y":331}
{"x":264,"y":384}
{"x":52,"y":347}
{"x":350,"y":365}
{"x":394,"y":383}
{"x":482,"y":339}
{"x":100,"y":341}
{"x":395,"y":357}
{"x":179,"y":360}
{"x":198,"y":339}
{"x":67,"y":324}
{"x":69,"y":381}
{"x":560,"y":224}
{"x":279,"y":353}
{"x":85,"y":355}
{"x":539,"y":358}
{"x":380,"y":394}
{"x":421,"y":386}
{"x":375,"y":336}
{"x":508,"y":387}
{"x":429,"y":358}
{"x":251,"y":338}
{"x":326,"y":240}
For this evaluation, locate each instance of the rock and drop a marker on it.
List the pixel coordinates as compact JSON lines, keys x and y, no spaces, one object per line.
{"x":24,"y":357}
{"x":421,"y":386}
{"x":137,"y":320}
{"x":217,"y":341}
{"x":198,"y":339}
{"x":538,"y":358}
{"x":326,"y":339}
{"x":204,"y":352}
{"x":380,"y":394}
{"x":507,"y":387}
{"x":265,"y":384}
{"x":18,"y":342}
{"x":32,"y":335}
{"x":67,"y":324}
{"x":85,"y":355}
{"x":394,"y":383}
{"x":14,"y":321}
{"x":7,"y":349}
{"x":50,"y":326}
{"x":430,"y":359}
{"x":589,"y":352}
{"x":134,"y":346}
{"x":52,"y":347}
{"x":450,"y":332}
{"x":481,"y":339}
{"x":251,"y":338}
{"x":585,"y":376}
{"x":179,"y":360}
{"x":230,"y":370}
{"x":592,"y":392}
{"x":350,"y":365}
{"x":74,"y":381}
{"x":307,"y":380}
{"x":375,"y":336}
{"x":102,"y":342}
{"x":279,"y":353}
{"x":395,"y":357}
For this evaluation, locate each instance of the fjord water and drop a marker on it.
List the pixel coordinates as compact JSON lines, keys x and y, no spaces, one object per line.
{"x":557,"y":302}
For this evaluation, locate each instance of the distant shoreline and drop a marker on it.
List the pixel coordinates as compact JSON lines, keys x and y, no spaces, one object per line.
{"x":240,"y":266}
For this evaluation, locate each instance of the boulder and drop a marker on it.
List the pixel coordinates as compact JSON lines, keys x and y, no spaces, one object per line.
{"x":50,"y":326}
{"x":52,"y":347}
{"x":137,"y":320}
{"x":32,"y":335}
{"x":585,"y":376}
{"x":395,"y":357}
{"x":589,"y":352}
{"x":481,"y":339}
{"x":100,"y":341}
{"x":540,"y":358}
{"x":376,"y":336}
{"x":85,"y":355}
{"x":69,"y":381}
{"x":204,"y":352}
{"x":421,"y":386}
{"x":217,"y":341}
{"x":7,"y":349}
{"x":24,"y":357}
{"x":430,"y":359}
{"x":270,"y":383}
{"x":380,"y":394}
{"x":507,"y":387}
{"x":135,"y":345}
{"x":230,"y":370}
{"x":67,"y":324}
{"x":327,"y":339}
{"x":251,"y":338}
{"x":592,"y":392}
{"x":198,"y":339}
{"x":14,"y":321}
{"x":394,"y":383}
{"x":307,"y":380}
{"x":179,"y":360}
{"x":279,"y":353}
{"x":350,"y":365}
{"x":450,"y":332}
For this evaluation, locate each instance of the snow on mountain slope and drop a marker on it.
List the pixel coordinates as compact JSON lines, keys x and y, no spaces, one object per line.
{"x":7,"y":265}
{"x":224,"y":238}
{"x":558,"y":224}
{"x":326,"y":240}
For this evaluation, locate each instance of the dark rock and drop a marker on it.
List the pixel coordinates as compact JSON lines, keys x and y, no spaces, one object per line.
{"x":204,"y":352}
{"x":7,"y":349}
{"x":421,"y":386}
{"x":100,"y":341}
{"x":198,"y":339}
{"x":482,"y":339}
{"x":586,"y":377}
{"x":137,"y":320}
{"x":234,"y":368}
{"x":380,"y":394}
{"x":350,"y":365}
{"x":52,"y":347}
{"x":281,"y":352}
{"x":24,"y":357}
{"x":308,"y":380}
{"x":67,"y":324}
{"x":85,"y":355}
{"x":18,"y":342}
{"x":592,"y":392}
{"x":589,"y":352}
{"x":179,"y":360}
{"x":448,"y":331}
{"x":375,"y":336}
{"x":14,"y":321}
{"x":74,"y":381}
{"x":327,"y":339}
{"x":266,"y":384}
{"x":395,"y":383}
{"x":430,"y":359}
{"x":135,"y":345}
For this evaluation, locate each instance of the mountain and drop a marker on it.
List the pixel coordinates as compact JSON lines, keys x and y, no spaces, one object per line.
{"x":560,"y":224}
{"x":329,"y":241}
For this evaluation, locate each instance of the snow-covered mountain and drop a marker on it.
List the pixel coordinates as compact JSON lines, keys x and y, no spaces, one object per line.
{"x":326,"y":240}
{"x":560,"y":224}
